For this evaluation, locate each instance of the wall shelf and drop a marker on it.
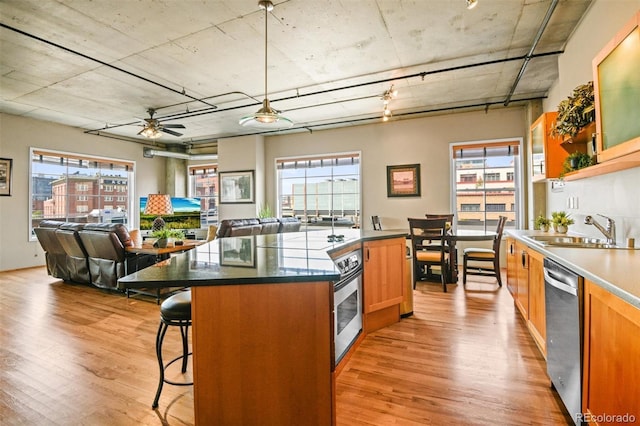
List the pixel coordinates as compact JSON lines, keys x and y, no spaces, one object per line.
{"x":614,"y":165}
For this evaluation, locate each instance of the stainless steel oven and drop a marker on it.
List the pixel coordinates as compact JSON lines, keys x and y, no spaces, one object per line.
{"x":347,"y":303}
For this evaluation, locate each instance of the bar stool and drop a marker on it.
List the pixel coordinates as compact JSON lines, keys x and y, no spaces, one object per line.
{"x":174,"y":311}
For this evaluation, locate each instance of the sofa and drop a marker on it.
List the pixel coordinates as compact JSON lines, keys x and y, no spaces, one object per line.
{"x":257,"y":226}
{"x":89,"y":253}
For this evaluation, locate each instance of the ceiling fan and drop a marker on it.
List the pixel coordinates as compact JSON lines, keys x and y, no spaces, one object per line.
{"x":153,"y":129}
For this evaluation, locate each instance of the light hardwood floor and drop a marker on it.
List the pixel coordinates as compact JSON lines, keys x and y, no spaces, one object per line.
{"x":72,"y":354}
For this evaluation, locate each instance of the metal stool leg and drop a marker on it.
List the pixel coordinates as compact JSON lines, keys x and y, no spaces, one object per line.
{"x":184,"y":330}
{"x":162,"y":329}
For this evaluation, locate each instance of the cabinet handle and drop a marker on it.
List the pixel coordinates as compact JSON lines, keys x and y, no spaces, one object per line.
{"x":367,"y":254}
{"x":524,"y":258}
{"x":510,"y":248}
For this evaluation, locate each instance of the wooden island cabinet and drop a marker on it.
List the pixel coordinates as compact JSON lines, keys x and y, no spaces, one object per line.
{"x":263,"y":332}
{"x":384,"y":263}
{"x":262,"y":354}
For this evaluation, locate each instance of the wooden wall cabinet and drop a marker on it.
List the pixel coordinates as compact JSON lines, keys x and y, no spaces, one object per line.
{"x":617,"y":93}
{"x":384,"y":263}
{"x":611,"y":372}
{"x":548,"y":152}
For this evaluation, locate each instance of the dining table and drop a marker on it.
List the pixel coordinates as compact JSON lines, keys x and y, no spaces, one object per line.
{"x":453,"y":236}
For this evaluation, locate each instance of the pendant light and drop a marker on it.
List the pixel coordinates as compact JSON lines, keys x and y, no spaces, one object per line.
{"x":266,"y":116}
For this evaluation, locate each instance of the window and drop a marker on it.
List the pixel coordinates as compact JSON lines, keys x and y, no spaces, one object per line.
{"x":69,"y":187}
{"x":496,"y":207}
{"x":479,"y":202}
{"x":470,"y":207}
{"x":203,"y":184}
{"x":321,"y":191}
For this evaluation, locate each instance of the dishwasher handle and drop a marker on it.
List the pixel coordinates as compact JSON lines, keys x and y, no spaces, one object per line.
{"x":548,"y":279}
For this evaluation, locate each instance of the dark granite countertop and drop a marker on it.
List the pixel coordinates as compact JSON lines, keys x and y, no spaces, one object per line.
{"x":274,"y":258}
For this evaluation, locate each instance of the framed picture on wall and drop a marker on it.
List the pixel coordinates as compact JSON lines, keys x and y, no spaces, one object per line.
{"x":5,"y":176}
{"x":237,"y":187}
{"x":403,"y":180}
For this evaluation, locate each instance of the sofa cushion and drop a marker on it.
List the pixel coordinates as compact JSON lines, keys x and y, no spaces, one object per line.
{"x":117,"y":228}
{"x":289,"y":224}
{"x":270,"y":225}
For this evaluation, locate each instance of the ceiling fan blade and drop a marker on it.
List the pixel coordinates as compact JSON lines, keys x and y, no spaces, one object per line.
{"x":142,"y":130}
{"x":174,"y":126}
{"x":171,"y":132}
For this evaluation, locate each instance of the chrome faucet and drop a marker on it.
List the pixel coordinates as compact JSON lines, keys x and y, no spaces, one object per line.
{"x":609,"y":231}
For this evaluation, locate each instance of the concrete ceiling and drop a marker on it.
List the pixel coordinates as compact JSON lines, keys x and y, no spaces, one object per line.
{"x":99,"y":65}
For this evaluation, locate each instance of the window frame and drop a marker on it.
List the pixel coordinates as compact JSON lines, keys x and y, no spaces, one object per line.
{"x":130,"y":166}
{"x":319,"y":157}
{"x":518,"y":179}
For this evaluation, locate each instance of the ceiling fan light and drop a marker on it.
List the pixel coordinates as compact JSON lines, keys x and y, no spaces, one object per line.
{"x":471,"y":4}
{"x":151,"y":133}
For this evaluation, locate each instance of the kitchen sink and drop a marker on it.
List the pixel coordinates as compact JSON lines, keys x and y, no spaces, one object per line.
{"x":571,"y":241}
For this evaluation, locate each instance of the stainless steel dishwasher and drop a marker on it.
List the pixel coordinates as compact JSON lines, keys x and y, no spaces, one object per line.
{"x":563,"y":306}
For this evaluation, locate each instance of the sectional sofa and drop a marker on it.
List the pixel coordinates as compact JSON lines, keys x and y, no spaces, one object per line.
{"x":89,"y":253}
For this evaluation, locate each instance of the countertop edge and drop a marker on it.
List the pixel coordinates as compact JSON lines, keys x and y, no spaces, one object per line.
{"x":556,"y":254}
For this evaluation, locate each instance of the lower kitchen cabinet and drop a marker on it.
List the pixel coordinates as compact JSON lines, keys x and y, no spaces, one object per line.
{"x":512,"y":260}
{"x":522,"y":277}
{"x":384,"y":263}
{"x":537,"y":316}
{"x":611,"y":376}
{"x":525,"y":280}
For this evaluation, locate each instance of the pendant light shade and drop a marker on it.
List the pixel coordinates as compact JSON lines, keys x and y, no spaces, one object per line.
{"x":266,"y":117}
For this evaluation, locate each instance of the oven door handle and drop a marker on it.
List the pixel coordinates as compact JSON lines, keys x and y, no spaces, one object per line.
{"x":347,"y":278}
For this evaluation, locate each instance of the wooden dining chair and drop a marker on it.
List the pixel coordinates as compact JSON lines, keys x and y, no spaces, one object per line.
{"x":428,"y":243}
{"x":486,"y":261}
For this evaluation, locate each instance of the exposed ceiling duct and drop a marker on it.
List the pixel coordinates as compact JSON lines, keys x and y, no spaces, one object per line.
{"x":150,"y":153}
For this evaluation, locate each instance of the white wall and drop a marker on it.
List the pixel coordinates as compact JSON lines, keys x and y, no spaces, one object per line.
{"x":615,"y":194}
{"x":17,"y":135}
{"x":422,"y":140}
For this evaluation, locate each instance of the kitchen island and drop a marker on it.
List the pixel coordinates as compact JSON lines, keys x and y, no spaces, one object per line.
{"x":262,"y":324}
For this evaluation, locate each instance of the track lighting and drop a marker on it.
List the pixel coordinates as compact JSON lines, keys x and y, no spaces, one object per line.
{"x":386,"y":98}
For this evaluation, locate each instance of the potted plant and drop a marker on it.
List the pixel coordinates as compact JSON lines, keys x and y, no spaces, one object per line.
{"x":576,"y":161}
{"x":163,"y":235}
{"x":561,"y":221}
{"x":542,"y":223}
{"x":575,"y":112}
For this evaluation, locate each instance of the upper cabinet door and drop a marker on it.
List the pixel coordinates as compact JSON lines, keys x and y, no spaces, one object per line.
{"x":617,"y":93}
{"x":547,"y":151}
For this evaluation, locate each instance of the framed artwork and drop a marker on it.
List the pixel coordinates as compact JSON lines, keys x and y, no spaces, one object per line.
{"x":5,"y":176}
{"x":237,"y":187}
{"x":238,"y":251}
{"x":403,"y":181}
